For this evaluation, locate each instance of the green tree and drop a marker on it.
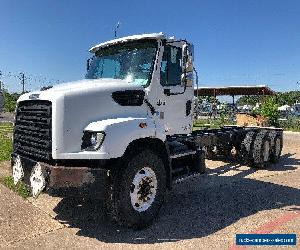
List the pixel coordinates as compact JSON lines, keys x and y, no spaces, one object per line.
{"x":10,"y":101}
{"x":288,"y":98}
{"x":281,"y":98}
{"x":249,"y":100}
{"x":269,"y":110}
{"x":209,"y":99}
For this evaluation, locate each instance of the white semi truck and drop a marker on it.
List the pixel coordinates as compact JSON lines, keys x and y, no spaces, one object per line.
{"x":125,"y":132}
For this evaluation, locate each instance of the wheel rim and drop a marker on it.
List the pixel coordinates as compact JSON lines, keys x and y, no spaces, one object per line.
{"x":266,"y":151}
{"x":277,"y":147}
{"x":143,"y":189}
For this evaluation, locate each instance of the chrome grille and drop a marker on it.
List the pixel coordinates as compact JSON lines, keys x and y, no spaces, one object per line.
{"x":32,"y":132}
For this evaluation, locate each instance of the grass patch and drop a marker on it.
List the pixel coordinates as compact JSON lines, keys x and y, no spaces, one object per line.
{"x":6,"y":130}
{"x":292,"y":129}
{"x":20,"y":188}
{"x":291,"y":124}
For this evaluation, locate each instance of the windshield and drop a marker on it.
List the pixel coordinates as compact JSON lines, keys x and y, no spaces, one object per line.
{"x":131,"y":61}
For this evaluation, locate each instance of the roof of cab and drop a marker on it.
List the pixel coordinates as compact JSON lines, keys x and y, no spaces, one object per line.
{"x":126,"y":39}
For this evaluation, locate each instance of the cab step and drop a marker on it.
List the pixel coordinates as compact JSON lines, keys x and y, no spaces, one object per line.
{"x":186,"y":177}
{"x":182,"y":154}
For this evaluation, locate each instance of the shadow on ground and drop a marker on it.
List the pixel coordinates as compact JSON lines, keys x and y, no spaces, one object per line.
{"x":194,"y":209}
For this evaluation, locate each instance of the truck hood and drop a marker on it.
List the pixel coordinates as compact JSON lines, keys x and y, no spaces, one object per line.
{"x":98,"y":85}
{"x":77,"y":104}
{"x":106,"y":84}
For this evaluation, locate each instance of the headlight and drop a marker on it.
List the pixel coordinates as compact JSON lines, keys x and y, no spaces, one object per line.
{"x":92,"y":140}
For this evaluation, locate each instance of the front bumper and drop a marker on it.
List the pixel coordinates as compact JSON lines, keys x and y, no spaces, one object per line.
{"x":67,"y":180}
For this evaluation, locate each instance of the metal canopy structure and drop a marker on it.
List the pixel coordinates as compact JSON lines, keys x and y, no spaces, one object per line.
{"x":234,"y":91}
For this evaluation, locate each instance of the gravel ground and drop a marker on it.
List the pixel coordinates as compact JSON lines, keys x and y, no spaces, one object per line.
{"x":6,"y":117}
{"x":202,"y":213}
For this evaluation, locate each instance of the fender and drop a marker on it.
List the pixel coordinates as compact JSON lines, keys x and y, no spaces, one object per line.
{"x":119,"y":132}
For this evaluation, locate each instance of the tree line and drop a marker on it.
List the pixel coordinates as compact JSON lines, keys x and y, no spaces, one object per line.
{"x":10,"y":100}
{"x":281,"y":98}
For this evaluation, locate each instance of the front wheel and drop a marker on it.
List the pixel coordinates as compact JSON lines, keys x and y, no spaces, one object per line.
{"x":138,"y":189}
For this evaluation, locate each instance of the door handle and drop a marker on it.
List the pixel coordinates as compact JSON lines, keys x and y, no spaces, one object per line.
{"x":188,"y":107}
{"x":167,"y":92}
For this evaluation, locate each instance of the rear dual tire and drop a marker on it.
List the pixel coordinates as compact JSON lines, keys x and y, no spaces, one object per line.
{"x":259,"y":148}
{"x":246,"y":150}
{"x":276,"y":149}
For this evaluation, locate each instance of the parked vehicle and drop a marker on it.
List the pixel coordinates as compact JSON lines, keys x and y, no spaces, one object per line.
{"x":296,"y":109}
{"x":125,"y":132}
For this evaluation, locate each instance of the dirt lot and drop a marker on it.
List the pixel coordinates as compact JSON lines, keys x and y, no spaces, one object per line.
{"x":6,"y":117}
{"x":203,"y":213}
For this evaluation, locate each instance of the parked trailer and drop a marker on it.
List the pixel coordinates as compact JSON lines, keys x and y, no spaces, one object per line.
{"x":125,"y":132}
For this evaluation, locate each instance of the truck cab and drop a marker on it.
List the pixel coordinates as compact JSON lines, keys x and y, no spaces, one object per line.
{"x":137,"y":79}
{"x":162,"y":67}
{"x":137,"y":92}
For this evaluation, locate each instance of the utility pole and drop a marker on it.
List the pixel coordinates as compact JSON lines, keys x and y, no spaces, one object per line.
{"x":22,"y":78}
{"x":2,"y":100}
{"x":0,"y":81}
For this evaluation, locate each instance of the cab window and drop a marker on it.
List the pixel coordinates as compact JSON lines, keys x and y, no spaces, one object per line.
{"x":171,"y":66}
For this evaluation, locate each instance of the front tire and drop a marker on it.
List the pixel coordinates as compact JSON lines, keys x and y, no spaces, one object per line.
{"x":137,"y":189}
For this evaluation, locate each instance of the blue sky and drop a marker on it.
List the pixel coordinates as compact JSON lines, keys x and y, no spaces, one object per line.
{"x":236,"y":41}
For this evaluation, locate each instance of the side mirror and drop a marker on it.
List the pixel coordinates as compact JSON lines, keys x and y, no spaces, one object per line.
{"x":88,"y":62}
{"x":187,"y":65}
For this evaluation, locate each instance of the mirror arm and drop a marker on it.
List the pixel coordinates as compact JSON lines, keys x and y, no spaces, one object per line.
{"x":88,"y":64}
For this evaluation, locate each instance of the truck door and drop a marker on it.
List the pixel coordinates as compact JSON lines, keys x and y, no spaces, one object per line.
{"x":175,"y":98}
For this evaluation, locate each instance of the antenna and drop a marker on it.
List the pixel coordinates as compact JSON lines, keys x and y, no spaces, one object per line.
{"x":116,"y":28}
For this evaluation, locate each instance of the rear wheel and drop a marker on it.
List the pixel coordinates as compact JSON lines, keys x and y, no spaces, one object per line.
{"x":225,"y":150}
{"x":209,"y":152}
{"x":246,"y":148}
{"x":261,"y":150}
{"x":276,"y":149}
{"x":137,"y":191}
